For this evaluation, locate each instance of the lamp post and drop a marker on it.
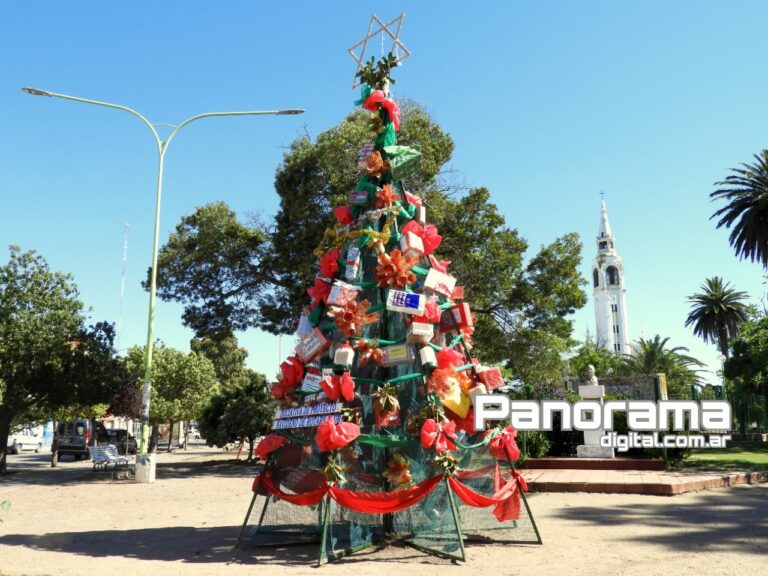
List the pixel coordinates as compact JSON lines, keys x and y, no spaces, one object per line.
{"x":146,"y":465}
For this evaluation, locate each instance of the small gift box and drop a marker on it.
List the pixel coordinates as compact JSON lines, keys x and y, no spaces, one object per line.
{"x":344,"y":356}
{"x":342,"y":293}
{"x":477,"y":391}
{"x":419,"y":333}
{"x":456,"y":317}
{"x":421,"y":215}
{"x":491,"y":377}
{"x":397,"y":354}
{"x":353,"y":263}
{"x":362,"y":156}
{"x":311,"y":383}
{"x":386,"y":406}
{"x":403,"y":161}
{"x":358,"y":198}
{"x":411,"y":245}
{"x":312,"y":346}
{"x":428,"y":358}
{"x":406,"y":302}
{"x":439,"y":282}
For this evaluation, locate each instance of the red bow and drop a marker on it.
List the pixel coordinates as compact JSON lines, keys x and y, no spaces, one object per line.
{"x":428,"y":235}
{"x":335,"y":386}
{"x":268,"y":445}
{"x":377,"y":97}
{"x":449,"y":358}
{"x":438,"y":435}
{"x":413,"y":199}
{"x":432,"y":313}
{"x":343,"y":215}
{"x":330,"y":436}
{"x":439,"y":265}
{"x":329,"y":264}
{"x":319,"y":292}
{"x":503,"y":445}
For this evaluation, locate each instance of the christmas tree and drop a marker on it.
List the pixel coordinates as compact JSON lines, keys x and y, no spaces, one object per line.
{"x":374,"y":435}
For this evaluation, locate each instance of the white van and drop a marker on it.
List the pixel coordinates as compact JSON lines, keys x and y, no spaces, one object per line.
{"x":24,"y":438}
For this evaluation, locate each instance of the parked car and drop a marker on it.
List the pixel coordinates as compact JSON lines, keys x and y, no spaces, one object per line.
{"x":73,"y":438}
{"x":123,"y":440}
{"x":23,"y":438}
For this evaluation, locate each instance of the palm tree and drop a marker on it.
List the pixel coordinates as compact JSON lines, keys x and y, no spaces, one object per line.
{"x":717,"y":313}
{"x":746,"y":192}
{"x":653,"y":357}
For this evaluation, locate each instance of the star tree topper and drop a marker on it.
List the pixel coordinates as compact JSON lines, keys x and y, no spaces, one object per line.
{"x":378,"y":27}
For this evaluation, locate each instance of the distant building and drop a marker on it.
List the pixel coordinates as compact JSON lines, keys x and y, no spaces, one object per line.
{"x":609,"y":291}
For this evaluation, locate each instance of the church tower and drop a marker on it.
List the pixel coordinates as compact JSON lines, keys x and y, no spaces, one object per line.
{"x":609,"y":291}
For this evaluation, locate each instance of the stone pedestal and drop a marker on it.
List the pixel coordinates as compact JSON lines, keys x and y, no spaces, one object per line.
{"x":145,"y":468}
{"x":591,"y":447}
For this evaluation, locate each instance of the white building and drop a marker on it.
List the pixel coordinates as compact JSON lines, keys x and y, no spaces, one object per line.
{"x":609,"y":291}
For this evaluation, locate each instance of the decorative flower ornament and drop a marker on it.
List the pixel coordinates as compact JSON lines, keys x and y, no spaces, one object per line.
{"x":351,"y":317}
{"x":386,"y":197}
{"x":343,"y":215}
{"x":269,"y":444}
{"x":398,"y":472}
{"x":319,"y":292}
{"x":367,"y":351}
{"x":428,"y":235}
{"x":394,"y":270}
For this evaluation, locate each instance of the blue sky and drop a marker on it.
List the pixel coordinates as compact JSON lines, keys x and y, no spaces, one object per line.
{"x":548,"y":103}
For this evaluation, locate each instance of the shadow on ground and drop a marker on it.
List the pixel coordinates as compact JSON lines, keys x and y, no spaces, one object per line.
{"x":731,"y":519}
{"x":189,"y":544}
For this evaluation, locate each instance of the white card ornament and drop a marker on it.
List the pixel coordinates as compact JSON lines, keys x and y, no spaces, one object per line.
{"x":305,"y":328}
{"x":476,"y":391}
{"x":439,"y":282}
{"x":419,"y":333}
{"x":344,"y":356}
{"x":311,"y":347}
{"x":411,"y":245}
{"x":341,"y":293}
{"x":406,"y":302}
{"x":421,"y":215}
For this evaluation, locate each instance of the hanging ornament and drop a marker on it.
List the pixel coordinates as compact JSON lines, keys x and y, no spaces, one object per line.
{"x":438,"y":436}
{"x":386,"y":197}
{"x":329,"y":263}
{"x":394,"y":270}
{"x":331,"y":436}
{"x":398,"y":472}
{"x":351,"y":317}
{"x":368,"y":351}
{"x":336,"y":387}
{"x":386,"y":406}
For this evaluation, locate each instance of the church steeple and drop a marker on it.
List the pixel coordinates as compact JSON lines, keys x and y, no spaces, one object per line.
{"x":609,"y":291}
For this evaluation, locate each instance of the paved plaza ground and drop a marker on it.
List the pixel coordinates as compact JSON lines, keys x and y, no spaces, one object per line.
{"x":71,"y":521}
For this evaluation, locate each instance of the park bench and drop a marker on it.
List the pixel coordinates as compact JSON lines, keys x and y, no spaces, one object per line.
{"x":103,"y":456}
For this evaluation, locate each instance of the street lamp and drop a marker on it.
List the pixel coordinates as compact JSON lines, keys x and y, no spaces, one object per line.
{"x":145,"y":465}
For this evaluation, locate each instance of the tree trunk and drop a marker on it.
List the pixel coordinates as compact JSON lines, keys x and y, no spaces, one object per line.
{"x":153,"y":439}
{"x":722,"y":340}
{"x":55,"y":445}
{"x":5,"y":428}
{"x":250,"y":448}
{"x":170,"y":436}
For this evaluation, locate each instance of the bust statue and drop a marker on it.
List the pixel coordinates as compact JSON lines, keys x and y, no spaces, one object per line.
{"x":591,"y":378}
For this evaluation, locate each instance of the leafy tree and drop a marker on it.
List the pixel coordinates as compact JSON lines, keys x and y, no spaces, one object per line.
{"x":717,"y":312}
{"x":606,"y":363}
{"x":748,"y":367}
{"x":182,"y":384}
{"x":746,"y":211}
{"x":227,"y":357}
{"x":127,"y":401}
{"x":522,"y":308}
{"x":245,"y":412}
{"x":654,"y":357}
{"x":48,"y":358}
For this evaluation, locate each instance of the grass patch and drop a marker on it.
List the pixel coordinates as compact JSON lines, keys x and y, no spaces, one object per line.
{"x":740,"y":458}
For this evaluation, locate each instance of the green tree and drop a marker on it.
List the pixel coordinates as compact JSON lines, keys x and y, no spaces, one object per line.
{"x":182,"y":385}
{"x":522,"y":307}
{"x":748,"y":367}
{"x":227,"y":357}
{"x":746,"y":211}
{"x":717,"y":312}
{"x":48,"y":357}
{"x":654,"y":357}
{"x":606,"y":363}
{"x":244,"y":412}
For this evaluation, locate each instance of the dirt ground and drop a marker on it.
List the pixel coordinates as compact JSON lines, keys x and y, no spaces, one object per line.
{"x":70,"y":521}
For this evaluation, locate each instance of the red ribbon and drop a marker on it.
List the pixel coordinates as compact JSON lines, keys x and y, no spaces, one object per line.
{"x":377,"y":97}
{"x":503,"y":446}
{"x":428,"y":235}
{"x":269,"y":444}
{"x":329,"y":263}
